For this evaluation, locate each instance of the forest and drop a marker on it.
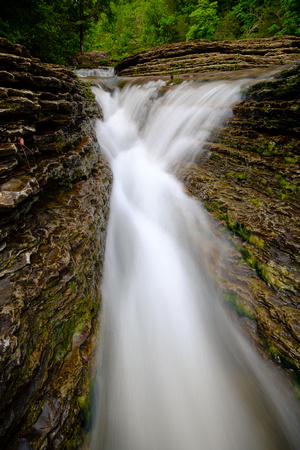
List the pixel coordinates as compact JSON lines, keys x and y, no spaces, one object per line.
{"x":53,"y":30}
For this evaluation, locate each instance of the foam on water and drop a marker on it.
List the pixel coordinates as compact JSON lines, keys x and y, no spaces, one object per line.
{"x":173,"y":373}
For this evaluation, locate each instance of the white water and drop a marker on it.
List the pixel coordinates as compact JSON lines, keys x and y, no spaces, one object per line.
{"x":103,"y":72}
{"x":173,"y":373}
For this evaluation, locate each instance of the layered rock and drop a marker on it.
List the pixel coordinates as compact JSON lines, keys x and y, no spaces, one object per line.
{"x":248,"y":179}
{"x":54,"y":195}
{"x":54,"y":198}
{"x":200,"y":56}
{"x":90,"y":60}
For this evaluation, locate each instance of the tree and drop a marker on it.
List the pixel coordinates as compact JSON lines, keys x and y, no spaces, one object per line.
{"x":52,"y":30}
{"x":45,"y":27}
{"x":88,"y":12}
{"x":159,"y":23}
{"x":291,"y":17}
{"x":206,"y":20}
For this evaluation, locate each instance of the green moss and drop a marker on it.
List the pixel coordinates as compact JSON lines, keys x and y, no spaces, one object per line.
{"x":103,"y":61}
{"x":238,"y":176}
{"x":64,"y":331}
{"x":73,"y":286}
{"x":54,"y":295}
{"x":243,"y":232}
{"x":238,"y":305}
{"x":296,"y":386}
{"x":256,"y":241}
{"x":286,"y":186}
{"x":283,"y":360}
{"x":214,"y":157}
{"x":247,"y":256}
{"x":10,"y":262}
{"x":231,"y":223}
{"x":219,"y":215}
{"x":85,"y":405}
{"x":52,"y":282}
{"x":73,"y":237}
{"x":265,"y":273}
{"x":294,"y":70}
{"x":208,"y":207}
{"x":271,"y":147}
{"x":290,"y":160}
{"x":241,"y":176}
{"x":218,"y":206}
{"x":88,"y":94}
{"x":254,"y":201}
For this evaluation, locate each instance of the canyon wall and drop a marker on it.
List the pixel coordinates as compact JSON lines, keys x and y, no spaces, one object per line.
{"x":248,"y":179}
{"x":54,"y":200}
{"x":54,"y":203}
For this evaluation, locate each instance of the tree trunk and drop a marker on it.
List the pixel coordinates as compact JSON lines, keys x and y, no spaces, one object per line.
{"x":81,"y":26}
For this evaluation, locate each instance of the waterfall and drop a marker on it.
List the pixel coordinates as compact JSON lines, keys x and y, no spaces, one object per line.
{"x":173,"y":374}
{"x":103,"y":72}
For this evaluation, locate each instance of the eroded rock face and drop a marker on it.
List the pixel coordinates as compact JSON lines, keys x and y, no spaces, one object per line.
{"x":204,"y":56}
{"x":54,"y":197}
{"x":91,"y":60}
{"x":248,"y":179}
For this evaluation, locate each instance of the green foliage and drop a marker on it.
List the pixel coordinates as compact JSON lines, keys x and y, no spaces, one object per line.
{"x":290,"y":10}
{"x":228,"y":27}
{"x":50,"y":29}
{"x":206,"y":20}
{"x":53,"y":30}
{"x":159,"y":24}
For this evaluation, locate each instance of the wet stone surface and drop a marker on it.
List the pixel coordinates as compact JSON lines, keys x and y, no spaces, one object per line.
{"x":199,"y":56}
{"x":248,"y":179}
{"x":50,"y":298}
{"x":54,"y":200}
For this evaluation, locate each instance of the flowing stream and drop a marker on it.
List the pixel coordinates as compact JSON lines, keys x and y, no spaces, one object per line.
{"x":174,"y":374}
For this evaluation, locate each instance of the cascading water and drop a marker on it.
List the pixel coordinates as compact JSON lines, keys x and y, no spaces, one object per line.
{"x":174,"y":374}
{"x":105,"y":72}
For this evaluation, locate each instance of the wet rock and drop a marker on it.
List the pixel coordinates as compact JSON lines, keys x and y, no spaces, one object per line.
{"x":54,"y":197}
{"x":16,"y":190}
{"x":90,"y":60}
{"x":55,"y":191}
{"x":204,"y":56}
{"x":248,"y":179}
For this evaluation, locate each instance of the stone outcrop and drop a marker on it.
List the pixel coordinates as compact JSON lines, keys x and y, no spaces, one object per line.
{"x":54,"y":196}
{"x":248,"y":179}
{"x":90,"y":60}
{"x":193,"y":57}
{"x":54,"y":199}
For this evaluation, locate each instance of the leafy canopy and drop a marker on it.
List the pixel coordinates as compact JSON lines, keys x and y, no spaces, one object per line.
{"x":53,"y":30}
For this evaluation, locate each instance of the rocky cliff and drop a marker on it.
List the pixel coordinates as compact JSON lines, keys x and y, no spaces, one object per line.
{"x":194,"y":57}
{"x":54,"y":197}
{"x":248,"y":179}
{"x":54,"y":194}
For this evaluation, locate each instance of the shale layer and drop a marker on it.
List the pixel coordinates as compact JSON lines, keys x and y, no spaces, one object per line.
{"x":200,"y":56}
{"x":54,"y":201}
{"x":54,"y":196}
{"x":248,"y":179}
